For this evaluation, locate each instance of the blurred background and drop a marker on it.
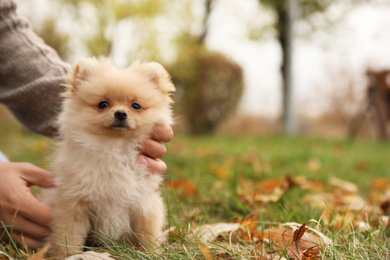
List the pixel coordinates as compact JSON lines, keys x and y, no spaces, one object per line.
{"x":305,"y":67}
{"x":274,"y":97}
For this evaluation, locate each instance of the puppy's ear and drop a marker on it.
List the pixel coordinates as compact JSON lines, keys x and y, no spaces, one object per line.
{"x":158,"y":75}
{"x":81,"y":71}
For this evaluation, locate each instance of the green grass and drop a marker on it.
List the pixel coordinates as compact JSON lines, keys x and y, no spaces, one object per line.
{"x":357,"y":161}
{"x":213,"y":164}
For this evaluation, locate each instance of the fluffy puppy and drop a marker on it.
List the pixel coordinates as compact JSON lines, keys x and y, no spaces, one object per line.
{"x":100,"y":186}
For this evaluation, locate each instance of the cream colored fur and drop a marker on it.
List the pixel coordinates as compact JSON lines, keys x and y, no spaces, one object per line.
{"x":100,"y":186}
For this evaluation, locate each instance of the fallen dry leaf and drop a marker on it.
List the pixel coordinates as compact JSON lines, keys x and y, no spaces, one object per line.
{"x":40,"y":254}
{"x":307,"y":184}
{"x":91,"y":255}
{"x":262,"y":192}
{"x":224,"y":256}
{"x":205,"y":252}
{"x":310,"y":255}
{"x":381,"y":184}
{"x":339,"y":220}
{"x":222,"y":171}
{"x":313,"y":164}
{"x":294,"y":250}
{"x":208,"y":233}
{"x":314,"y":236}
{"x":185,"y":187}
{"x":336,"y":199}
{"x":4,"y":256}
{"x":248,"y":228}
{"x":280,"y":237}
{"x":344,"y":185}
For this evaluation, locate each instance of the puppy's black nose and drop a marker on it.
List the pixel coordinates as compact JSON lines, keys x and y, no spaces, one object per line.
{"x":121,"y":115}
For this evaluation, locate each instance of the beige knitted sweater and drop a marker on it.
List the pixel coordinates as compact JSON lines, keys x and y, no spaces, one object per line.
{"x":31,"y":73}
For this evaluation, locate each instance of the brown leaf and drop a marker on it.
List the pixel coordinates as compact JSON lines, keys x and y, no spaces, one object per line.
{"x":248,"y":226}
{"x":264,"y":191}
{"x":40,"y":254}
{"x":280,"y":237}
{"x":224,"y":256}
{"x":295,"y":249}
{"x":206,"y":252}
{"x":309,"y":255}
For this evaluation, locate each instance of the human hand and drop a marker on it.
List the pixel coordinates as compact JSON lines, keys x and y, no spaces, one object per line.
{"x":20,"y":211}
{"x":153,"y":149}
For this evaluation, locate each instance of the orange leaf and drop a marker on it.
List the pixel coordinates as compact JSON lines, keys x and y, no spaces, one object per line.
{"x":310,"y":255}
{"x":40,"y":255}
{"x":184,"y":185}
{"x":221,"y":171}
{"x":269,"y":186}
{"x":307,"y":184}
{"x":248,"y":226}
{"x":206,"y":252}
{"x":264,"y":191}
{"x":379,"y":184}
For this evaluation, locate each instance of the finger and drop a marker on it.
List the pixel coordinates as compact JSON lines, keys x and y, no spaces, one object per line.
{"x":156,"y":166}
{"x":153,"y":149}
{"x":34,"y":210}
{"x":37,"y":176}
{"x":162,"y":133}
{"x":29,"y":228}
{"x":32,"y":243}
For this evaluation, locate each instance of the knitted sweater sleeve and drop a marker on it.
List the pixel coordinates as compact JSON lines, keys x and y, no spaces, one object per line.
{"x":31,"y":73}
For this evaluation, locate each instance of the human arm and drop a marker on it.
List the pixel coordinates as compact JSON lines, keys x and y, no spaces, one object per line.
{"x":31,"y":73}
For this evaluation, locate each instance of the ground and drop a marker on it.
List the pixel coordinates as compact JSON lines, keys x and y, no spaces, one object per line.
{"x":243,"y":197}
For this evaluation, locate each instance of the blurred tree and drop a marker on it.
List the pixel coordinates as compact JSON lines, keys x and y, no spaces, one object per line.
{"x":54,"y":38}
{"x":282,"y":9}
{"x":211,"y":84}
{"x":109,"y":13}
{"x":94,"y":23}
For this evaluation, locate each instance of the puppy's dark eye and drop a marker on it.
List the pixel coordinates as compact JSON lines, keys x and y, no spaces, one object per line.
{"x":103,"y":105}
{"x":136,"y":106}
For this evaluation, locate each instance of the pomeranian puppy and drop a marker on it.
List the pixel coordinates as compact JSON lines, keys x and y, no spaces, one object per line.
{"x":100,"y":188}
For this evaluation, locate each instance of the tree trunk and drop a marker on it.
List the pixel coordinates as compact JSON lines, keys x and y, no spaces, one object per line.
{"x":205,"y":29}
{"x":284,"y":27}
